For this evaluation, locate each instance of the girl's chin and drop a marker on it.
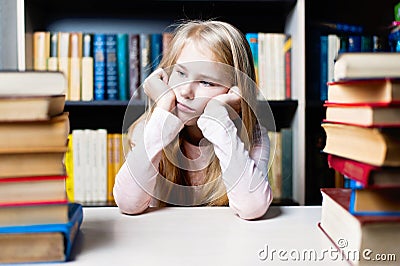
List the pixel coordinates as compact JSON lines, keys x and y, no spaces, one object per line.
{"x":191,"y":122}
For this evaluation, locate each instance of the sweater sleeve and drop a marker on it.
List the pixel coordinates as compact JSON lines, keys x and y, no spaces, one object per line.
{"x":244,"y":172}
{"x":135,"y":181}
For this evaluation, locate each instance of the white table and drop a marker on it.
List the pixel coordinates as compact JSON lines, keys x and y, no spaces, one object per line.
{"x":201,"y":236}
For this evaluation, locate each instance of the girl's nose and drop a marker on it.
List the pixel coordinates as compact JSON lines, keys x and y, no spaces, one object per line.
{"x":187,"y":90}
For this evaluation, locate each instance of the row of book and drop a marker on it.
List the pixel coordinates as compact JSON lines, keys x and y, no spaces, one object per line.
{"x":99,"y":66}
{"x":104,"y":66}
{"x":272,"y":61}
{"x":37,"y":223}
{"x":92,"y":160}
{"x":362,"y":128}
{"x":95,"y":157}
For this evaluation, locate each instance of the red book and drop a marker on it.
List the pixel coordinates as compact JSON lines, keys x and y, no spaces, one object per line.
{"x":354,"y":235}
{"x":368,"y":175}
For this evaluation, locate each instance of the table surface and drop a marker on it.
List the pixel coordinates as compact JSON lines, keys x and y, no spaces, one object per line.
{"x":202,"y":236}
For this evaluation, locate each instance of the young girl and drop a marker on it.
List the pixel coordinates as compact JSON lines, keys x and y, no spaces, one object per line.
{"x":200,"y":143}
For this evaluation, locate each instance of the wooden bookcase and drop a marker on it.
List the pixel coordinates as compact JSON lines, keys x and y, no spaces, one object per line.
{"x":281,"y":16}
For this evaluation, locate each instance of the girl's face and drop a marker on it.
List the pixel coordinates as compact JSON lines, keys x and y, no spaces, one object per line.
{"x":195,"y":79}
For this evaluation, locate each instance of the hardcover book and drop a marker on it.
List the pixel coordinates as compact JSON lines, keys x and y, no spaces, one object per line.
{"x":364,"y":91}
{"x":32,"y":190}
{"x":352,"y":234}
{"x":375,"y":201}
{"x":34,"y":135}
{"x":376,"y":146}
{"x":24,"y":163}
{"x":34,"y":214}
{"x":367,"y":65}
{"x":41,"y":243}
{"x":29,"y":108}
{"x":366,"y":175}
{"x":32,"y":83}
{"x":367,"y":115}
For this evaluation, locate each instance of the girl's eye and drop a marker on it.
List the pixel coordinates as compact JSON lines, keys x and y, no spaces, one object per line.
{"x":180,"y":74}
{"x":206,"y":83}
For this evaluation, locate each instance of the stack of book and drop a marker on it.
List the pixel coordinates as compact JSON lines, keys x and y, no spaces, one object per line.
{"x":36,"y":221}
{"x":362,"y":127}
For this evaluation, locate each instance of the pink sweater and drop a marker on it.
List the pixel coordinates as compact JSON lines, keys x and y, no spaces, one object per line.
{"x":244,"y":173}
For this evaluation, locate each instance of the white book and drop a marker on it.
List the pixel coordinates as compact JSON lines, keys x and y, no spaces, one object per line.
{"x":78,"y":146}
{"x":101,"y":161}
{"x":333,"y":49}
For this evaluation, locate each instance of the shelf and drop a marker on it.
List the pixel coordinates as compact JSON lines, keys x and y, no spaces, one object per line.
{"x":50,"y":15}
{"x":110,"y":114}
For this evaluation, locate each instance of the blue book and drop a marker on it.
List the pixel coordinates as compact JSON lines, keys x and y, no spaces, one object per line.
{"x":323,"y":87}
{"x":375,"y":201}
{"x":354,"y":43}
{"x":111,"y":67}
{"x":99,"y":66}
{"x":156,"y":50}
{"x":122,"y":60}
{"x":252,"y":39}
{"x":55,"y":240}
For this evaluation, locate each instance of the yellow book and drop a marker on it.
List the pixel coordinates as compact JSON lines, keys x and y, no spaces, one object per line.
{"x":110,"y":168}
{"x":69,"y":165}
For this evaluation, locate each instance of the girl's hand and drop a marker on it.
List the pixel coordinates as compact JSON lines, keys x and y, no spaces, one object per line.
{"x":156,"y":88}
{"x":231,"y":100}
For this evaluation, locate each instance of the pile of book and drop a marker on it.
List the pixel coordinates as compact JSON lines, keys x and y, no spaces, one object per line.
{"x":36,"y":221}
{"x":362,"y":127}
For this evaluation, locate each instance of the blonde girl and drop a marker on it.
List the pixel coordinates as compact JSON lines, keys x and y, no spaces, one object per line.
{"x":200,"y":143}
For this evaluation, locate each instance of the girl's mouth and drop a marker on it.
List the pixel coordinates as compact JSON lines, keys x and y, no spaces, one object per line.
{"x":184,"y":108}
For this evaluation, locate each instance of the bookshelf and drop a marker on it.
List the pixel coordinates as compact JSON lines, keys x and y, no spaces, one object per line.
{"x":280,"y":16}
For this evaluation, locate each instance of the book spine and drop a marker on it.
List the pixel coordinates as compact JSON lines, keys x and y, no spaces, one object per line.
{"x":252,"y":39}
{"x":122,"y":60}
{"x":63,"y":58}
{"x":41,"y":50}
{"x":323,"y":87}
{"x":288,"y":67}
{"x":156,"y":50}
{"x":99,"y":60}
{"x":354,"y":43}
{"x":87,"y":68}
{"x":75,"y":55}
{"x":52,"y":62}
{"x":287,"y":163}
{"x":134,"y":66}
{"x":110,"y":167}
{"x":69,"y":166}
{"x":145,"y":60}
{"x":101,"y":162}
{"x":352,"y":169}
{"x":111,"y":67}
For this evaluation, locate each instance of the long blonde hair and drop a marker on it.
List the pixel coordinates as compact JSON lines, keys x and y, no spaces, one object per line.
{"x":229,"y":46}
